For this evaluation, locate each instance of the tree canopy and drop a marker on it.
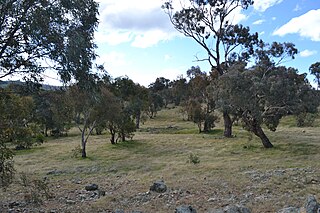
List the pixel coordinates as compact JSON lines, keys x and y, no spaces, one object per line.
{"x":36,"y":35}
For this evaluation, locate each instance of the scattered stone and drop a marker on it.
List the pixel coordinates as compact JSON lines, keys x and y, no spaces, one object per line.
{"x":101,"y":192}
{"x":118,"y":211}
{"x":13,"y":204}
{"x":158,"y":186}
{"x":185,"y":209}
{"x":289,"y":210}
{"x":55,"y":172}
{"x":311,"y":205}
{"x":91,"y":187}
{"x":71,"y":202}
{"x":232,"y":209}
{"x":211,"y":199}
{"x":236,"y":209}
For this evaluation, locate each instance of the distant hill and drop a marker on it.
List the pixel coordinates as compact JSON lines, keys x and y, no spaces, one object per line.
{"x":4,"y":84}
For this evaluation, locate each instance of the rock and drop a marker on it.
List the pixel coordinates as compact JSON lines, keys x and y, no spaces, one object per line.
{"x":13,"y":204}
{"x":91,"y":187}
{"x":119,"y":211}
{"x":70,"y":202}
{"x":101,"y":192}
{"x":158,"y":186}
{"x":216,"y":211}
{"x":232,"y":209}
{"x":185,"y":209}
{"x":311,"y":205}
{"x":236,"y":209}
{"x":289,"y":210}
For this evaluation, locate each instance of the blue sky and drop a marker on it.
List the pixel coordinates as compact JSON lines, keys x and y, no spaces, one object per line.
{"x":136,"y":39}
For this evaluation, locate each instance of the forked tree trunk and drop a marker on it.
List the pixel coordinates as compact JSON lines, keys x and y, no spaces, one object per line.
{"x":227,"y":125}
{"x":258,"y":131}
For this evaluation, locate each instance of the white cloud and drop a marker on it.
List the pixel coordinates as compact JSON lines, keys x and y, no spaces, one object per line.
{"x":258,"y":22}
{"x":114,"y":59}
{"x":262,"y":33}
{"x":306,"y":25}
{"x":297,"y":8}
{"x":150,"y":38}
{"x":307,"y":53}
{"x":167,"y":57}
{"x":263,"y":5}
{"x":141,"y":23}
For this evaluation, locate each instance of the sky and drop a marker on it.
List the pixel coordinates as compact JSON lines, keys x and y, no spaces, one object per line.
{"x":136,"y":38}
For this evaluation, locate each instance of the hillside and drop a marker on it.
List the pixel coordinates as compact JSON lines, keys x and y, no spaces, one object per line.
{"x":231,"y":171}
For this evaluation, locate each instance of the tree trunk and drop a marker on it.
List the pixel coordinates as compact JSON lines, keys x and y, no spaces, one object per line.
{"x":227,"y":125}
{"x":83,"y":144}
{"x":46,"y":131}
{"x":258,"y":131}
{"x":138,"y":116}
{"x":83,"y":151}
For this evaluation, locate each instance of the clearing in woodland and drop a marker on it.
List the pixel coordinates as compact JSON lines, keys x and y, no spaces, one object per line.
{"x":206,"y":171}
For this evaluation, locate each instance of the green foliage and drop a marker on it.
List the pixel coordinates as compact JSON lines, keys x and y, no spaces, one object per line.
{"x":61,"y":31}
{"x":305,"y":119}
{"x":76,"y":151}
{"x":16,"y":119}
{"x":35,"y":190}
{"x":314,"y":69}
{"x":193,"y":158}
{"x":7,"y":170}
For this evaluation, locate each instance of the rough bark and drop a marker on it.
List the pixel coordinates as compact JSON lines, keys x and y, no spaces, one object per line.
{"x":138,"y":116}
{"x":258,"y":131}
{"x":83,"y":152}
{"x":227,"y":125}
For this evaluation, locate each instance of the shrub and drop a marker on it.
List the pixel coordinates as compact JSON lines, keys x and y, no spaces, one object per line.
{"x":6,"y":166}
{"x":193,"y":158}
{"x":35,"y":190}
{"x":76,"y":152}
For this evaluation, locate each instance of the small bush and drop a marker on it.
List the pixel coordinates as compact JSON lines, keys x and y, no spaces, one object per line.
{"x":35,"y":190}
{"x":305,"y":119}
{"x":76,"y":152}
{"x":6,"y":166}
{"x":39,"y":138}
{"x":193,"y":158}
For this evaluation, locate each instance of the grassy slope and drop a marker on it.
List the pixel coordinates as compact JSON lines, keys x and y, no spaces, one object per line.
{"x":236,"y":170}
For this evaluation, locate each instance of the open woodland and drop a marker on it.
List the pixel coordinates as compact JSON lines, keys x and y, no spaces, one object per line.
{"x":244,"y":132}
{"x":234,"y":170}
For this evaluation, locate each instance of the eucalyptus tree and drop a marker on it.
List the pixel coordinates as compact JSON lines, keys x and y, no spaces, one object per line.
{"x":209,"y":24}
{"x":36,"y":35}
{"x":265,"y":92}
{"x":314,"y":69}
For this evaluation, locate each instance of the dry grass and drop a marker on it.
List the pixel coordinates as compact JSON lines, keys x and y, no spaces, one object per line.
{"x":231,"y":171}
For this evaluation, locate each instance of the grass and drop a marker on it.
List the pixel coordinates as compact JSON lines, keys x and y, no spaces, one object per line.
{"x":234,"y":170}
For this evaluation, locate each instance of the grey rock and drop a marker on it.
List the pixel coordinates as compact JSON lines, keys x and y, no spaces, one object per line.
{"x":91,"y":187}
{"x":289,"y":210}
{"x":236,"y":209}
{"x":13,"y":204}
{"x":185,"y":209}
{"x":71,"y":202}
{"x":119,"y":211}
{"x":216,"y":211}
{"x":158,"y":186}
{"x":101,"y":192}
{"x":311,"y":205}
